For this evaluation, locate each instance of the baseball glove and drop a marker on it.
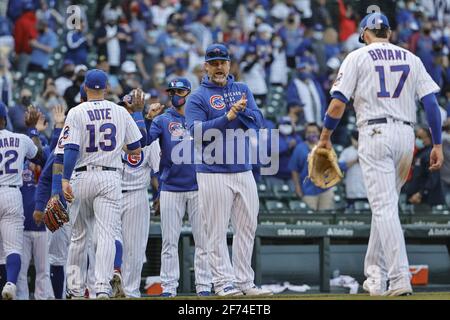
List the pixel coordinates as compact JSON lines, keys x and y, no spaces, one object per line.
{"x":55,"y":215}
{"x":323,"y":168}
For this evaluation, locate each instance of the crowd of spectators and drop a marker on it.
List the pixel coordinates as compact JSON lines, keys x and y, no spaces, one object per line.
{"x":287,"y":51}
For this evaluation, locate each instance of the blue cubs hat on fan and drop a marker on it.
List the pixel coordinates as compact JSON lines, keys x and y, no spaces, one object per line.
{"x":217,"y":51}
{"x":372,"y":21}
{"x":96,"y":79}
{"x":3,"y":110}
{"x":179,"y":83}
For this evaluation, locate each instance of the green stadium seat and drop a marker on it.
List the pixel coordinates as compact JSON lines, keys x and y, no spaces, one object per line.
{"x":298,"y":206}
{"x":264,"y":190}
{"x":276,"y":206}
{"x":282,"y":191}
{"x":440,"y":209}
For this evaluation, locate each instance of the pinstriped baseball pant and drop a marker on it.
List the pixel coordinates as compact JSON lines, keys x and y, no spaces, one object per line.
{"x":224,"y":197}
{"x":173,"y":207}
{"x":385,"y":154}
{"x":97,"y":202}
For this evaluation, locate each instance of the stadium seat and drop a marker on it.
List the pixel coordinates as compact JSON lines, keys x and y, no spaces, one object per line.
{"x":264,"y":190}
{"x":282,"y":191}
{"x":276,"y":206}
{"x":298,"y":206}
{"x":440,"y":209}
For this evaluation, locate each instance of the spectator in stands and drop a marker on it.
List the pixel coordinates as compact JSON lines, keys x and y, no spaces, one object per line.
{"x":201,"y":29}
{"x":315,"y":197}
{"x":129,"y":80}
{"x":50,"y":14}
{"x":304,"y":89}
{"x":355,"y":189}
{"x":181,"y":65}
{"x":72,"y":93}
{"x":77,"y":44}
{"x":278,"y":68}
{"x":6,"y":81}
{"x":254,"y":75}
{"x":347,"y":23}
{"x":148,"y":53}
{"x":66,"y":79}
{"x":445,"y":170}
{"x":425,"y":186}
{"x":49,"y":99}
{"x":113,"y":81}
{"x":286,"y":145}
{"x":25,"y":31}
{"x":292,"y":34}
{"x":17,"y":113}
{"x":107,"y":39}
{"x":321,"y":14}
{"x":42,"y":46}
{"x":161,"y":13}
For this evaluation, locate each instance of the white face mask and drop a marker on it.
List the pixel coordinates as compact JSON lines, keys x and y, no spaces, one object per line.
{"x":318,"y":35}
{"x":285,"y":129}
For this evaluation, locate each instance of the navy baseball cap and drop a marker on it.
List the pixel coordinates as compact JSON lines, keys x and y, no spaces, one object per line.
{"x":217,"y":51}
{"x":3,"y":110}
{"x":372,"y":21}
{"x":179,"y":83}
{"x":96,"y":79}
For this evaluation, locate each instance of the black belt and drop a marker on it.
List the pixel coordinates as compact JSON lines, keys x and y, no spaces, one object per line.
{"x":125,"y":191}
{"x":103,"y":169}
{"x":9,"y":186}
{"x":384,"y":120}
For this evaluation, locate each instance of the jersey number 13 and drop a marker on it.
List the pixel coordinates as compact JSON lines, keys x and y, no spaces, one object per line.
{"x":109,"y":138}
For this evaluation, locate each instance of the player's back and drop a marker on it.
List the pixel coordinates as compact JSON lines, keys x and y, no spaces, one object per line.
{"x":14,"y":148}
{"x":101,"y":127}
{"x":386,"y":79}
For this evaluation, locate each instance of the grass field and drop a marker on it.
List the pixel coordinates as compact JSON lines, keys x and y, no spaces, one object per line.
{"x":415,"y":296}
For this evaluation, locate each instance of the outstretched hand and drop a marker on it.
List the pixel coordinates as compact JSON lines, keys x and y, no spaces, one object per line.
{"x":436,"y":158}
{"x":32,"y":116}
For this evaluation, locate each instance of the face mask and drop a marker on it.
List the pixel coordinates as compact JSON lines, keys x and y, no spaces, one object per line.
{"x":26,"y":101}
{"x":217,"y":4}
{"x":419,"y":143}
{"x":178,"y":101}
{"x":80,"y":78}
{"x":277,"y":44}
{"x":312,"y":138}
{"x":304,"y":75}
{"x":285,"y":129}
{"x":68,"y":74}
{"x":318,"y":35}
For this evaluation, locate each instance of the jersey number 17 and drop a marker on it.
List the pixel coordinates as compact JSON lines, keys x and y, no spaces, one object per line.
{"x":383,"y":93}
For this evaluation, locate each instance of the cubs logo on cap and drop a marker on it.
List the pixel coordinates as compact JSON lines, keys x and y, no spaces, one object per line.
{"x":176,"y":129}
{"x":217,"y":102}
{"x":134,"y":160}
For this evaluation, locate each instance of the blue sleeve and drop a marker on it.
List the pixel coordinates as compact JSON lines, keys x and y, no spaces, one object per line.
{"x":431,"y":107}
{"x":340,"y":96}
{"x":294,"y":162}
{"x":292,"y":96}
{"x":71,"y":152}
{"x":343,"y":166}
{"x":194,"y":112}
{"x":140,"y":122}
{"x":43,"y":190}
{"x":59,"y":158}
{"x":252,"y":111}
{"x":134,"y":145}
{"x":283,"y":146}
{"x":155,"y":130}
{"x":55,"y":136}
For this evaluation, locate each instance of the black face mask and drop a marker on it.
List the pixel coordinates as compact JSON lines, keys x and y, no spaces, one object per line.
{"x":80,"y":78}
{"x":26,"y":101}
{"x":68,"y":74}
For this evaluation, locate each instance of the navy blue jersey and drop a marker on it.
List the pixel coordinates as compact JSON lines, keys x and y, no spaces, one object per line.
{"x":170,"y":128}
{"x":209,"y":105}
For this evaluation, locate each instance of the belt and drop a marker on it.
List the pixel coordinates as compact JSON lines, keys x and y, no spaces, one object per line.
{"x":9,"y":186}
{"x":125,"y":191}
{"x":102,"y":168}
{"x":385,"y":120}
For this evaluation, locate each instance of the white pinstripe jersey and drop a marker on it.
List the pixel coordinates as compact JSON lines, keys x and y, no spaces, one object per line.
{"x":14,"y":148}
{"x":136,"y":169}
{"x":385,"y":81}
{"x":101,"y":129}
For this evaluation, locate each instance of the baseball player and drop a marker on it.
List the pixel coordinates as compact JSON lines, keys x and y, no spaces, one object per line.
{"x":135,"y":218}
{"x":14,"y":148}
{"x":178,"y":193}
{"x":226,"y":191}
{"x":384,"y":80}
{"x":96,"y":132}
